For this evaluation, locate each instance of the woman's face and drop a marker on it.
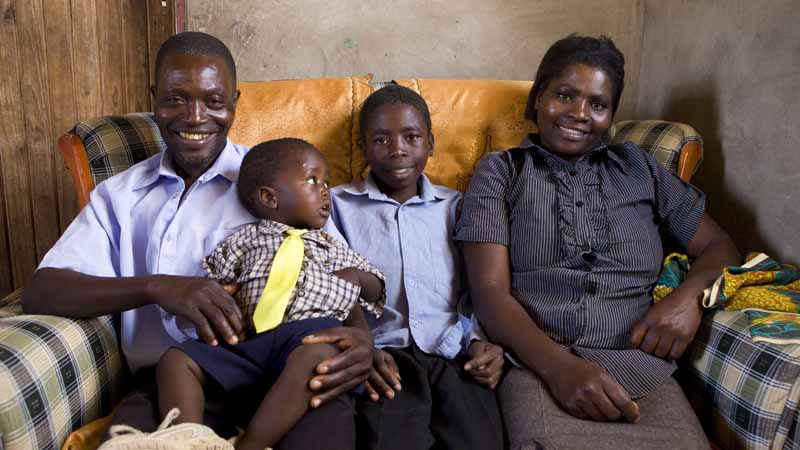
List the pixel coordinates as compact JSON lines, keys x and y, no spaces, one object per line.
{"x":574,"y":111}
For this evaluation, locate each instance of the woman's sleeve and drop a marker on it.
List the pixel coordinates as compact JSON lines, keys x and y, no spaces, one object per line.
{"x":679,"y":205}
{"x":484,"y":212}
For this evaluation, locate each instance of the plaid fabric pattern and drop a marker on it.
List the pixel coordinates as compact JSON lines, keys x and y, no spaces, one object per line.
{"x":246,"y":257}
{"x":746,"y":394}
{"x":114,"y":143}
{"x":56,"y":375}
{"x":661,"y":139}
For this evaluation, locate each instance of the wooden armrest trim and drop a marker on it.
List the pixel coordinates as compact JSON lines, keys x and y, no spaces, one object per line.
{"x":690,"y":159}
{"x":74,"y":153}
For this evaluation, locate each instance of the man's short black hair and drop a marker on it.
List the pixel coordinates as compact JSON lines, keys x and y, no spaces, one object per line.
{"x":195,"y":43}
{"x":393,"y":93}
{"x":261,"y":165}
{"x":599,"y":53}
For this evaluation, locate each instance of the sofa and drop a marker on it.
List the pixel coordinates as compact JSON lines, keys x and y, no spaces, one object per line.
{"x":60,"y":375}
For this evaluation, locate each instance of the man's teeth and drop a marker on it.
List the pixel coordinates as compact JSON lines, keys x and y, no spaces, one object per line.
{"x":194,"y":136}
{"x":401,"y":171}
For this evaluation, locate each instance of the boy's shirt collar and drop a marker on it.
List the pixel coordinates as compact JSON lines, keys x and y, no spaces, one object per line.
{"x":226,"y":165}
{"x":427,"y":191}
{"x":271,"y":227}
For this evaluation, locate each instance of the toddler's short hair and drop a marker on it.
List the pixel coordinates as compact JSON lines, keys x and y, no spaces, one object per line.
{"x":262,"y":163}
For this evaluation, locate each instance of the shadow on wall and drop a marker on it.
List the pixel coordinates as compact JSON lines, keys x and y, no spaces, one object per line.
{"x":698,"y":105}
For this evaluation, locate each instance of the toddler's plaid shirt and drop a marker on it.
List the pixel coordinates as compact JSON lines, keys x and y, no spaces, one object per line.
{"x":245,"y":258}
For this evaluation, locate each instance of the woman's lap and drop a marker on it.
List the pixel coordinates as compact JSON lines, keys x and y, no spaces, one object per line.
{"x":534,"y":420}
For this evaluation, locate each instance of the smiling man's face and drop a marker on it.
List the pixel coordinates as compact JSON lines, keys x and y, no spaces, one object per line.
{"x":195,"y":105}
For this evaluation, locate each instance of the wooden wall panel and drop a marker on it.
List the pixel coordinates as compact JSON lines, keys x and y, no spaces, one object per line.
{"x":36,"y":107}
{"x":62,"y":61}
{"x":134,"y":20}
{"x":58,"y":39}
{"x":14,"y":151}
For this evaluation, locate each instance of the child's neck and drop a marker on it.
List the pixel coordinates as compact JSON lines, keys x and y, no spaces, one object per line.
{"x":399,"y":195}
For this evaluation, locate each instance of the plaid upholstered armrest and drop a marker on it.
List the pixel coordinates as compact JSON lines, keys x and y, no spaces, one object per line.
{"x":56,"y":375}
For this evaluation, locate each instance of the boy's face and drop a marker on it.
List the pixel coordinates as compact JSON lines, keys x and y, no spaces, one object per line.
{"x":301,"y":192}
{"x":398,"y":144}
{"x":194,"y":105}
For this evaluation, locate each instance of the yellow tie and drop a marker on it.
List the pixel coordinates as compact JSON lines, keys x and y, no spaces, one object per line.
{"x":280,"y":282}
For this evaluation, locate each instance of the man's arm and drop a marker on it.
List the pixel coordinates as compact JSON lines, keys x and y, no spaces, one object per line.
{"x":68,"y":293}
{"x":670,"y":325}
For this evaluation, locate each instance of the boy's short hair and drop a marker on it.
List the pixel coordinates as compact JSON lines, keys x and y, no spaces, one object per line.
{"x":262,"y":163}
{"x":599,"y":53}
{"x":195,"y":43}
{"x":393,"y":93}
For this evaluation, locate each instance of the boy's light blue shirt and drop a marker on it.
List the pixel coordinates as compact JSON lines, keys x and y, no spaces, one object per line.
{"x":136,"y":224}
{"x":412,"y":244}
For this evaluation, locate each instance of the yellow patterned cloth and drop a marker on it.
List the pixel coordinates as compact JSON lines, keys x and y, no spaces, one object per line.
{"x":767,"y":291}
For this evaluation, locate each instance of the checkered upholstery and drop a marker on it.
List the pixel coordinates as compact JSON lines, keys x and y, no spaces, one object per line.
{"x":114,"y":143}
{"x":661,"y":139}
{"x":56,"y":375}
{"x":746,"y":394}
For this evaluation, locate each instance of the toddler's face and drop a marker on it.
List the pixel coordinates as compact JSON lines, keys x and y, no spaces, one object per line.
{"x":398,"y":144}
{"x":302,"y":191}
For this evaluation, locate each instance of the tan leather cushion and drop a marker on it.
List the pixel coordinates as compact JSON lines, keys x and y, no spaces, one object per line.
{"x":317,"y":110}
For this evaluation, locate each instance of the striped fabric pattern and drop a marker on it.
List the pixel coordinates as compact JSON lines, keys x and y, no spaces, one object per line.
{"x":662,"y":140}
{"x":114,"y":143}
{"x":56,"y":375}
{"x":583,"y":240}
{"x":746,"y":394}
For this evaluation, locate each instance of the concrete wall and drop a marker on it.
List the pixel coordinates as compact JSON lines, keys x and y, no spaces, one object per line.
{"x":731,"y":68}
{"x":471,"y":39}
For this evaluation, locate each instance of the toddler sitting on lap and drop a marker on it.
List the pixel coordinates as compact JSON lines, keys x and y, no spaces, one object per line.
{"x":294,"y":280}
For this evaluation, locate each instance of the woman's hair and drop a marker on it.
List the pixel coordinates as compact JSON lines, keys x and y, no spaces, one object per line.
{"x":599,"y":53}
{"x":390,"y":94}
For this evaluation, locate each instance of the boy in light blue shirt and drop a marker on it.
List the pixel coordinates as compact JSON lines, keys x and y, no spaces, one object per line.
{"x":430,"y":363}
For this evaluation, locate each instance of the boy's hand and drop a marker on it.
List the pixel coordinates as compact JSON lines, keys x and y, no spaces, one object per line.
{"x":344,"y":371}
{"x":384,"y":378}
{"x":350,"y":274}
{"x":485,"y":363}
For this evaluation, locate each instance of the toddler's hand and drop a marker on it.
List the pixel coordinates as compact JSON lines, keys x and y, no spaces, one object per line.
{"x":485,"y":363}
{"x":350,"y":274}
{"x":384,"y":378}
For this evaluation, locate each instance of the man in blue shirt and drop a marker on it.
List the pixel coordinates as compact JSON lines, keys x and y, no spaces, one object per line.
{"x":137,"y":247}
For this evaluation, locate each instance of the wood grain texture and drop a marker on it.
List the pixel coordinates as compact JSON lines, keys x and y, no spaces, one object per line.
{"x":14,"y":152}
{"x":86,"y":55}
{"x":8,"y":91}
{"x":111,"y":56}
{"x":160,"y":26}
{"x":36,"y":107}
{"x":63,"y":113}
{"x":137,"y":64}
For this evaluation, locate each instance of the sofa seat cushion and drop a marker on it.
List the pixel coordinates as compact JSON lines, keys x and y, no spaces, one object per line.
{"x":746,"y":394}
{"x":57,"y":374}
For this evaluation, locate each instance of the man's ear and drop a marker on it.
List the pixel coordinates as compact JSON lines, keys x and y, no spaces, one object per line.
{"x":268,"y":197}
{"x":236,"y":94}
{"x":430,"y":143}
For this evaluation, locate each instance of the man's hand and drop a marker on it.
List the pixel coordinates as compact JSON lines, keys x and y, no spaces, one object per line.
{"x":344,"y":371}
{"x":669,"y":326}
{"x":586,"y":390}
{"x":384,"y":378}
{"x":203,"y":301}
{"x":485,"y":363}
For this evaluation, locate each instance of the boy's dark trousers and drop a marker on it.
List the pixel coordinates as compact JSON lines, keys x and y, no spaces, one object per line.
{"x":439,"y":407}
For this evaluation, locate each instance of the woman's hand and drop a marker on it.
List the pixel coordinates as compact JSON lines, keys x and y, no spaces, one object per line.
{"x":485,"y":363}
{"x":344,"y":371}
{"x":669,"y":326}
{"x":384,"y":378}
{"x":586,"y":390}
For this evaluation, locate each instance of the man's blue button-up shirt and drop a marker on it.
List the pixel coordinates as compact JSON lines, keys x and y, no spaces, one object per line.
{"x":137,"y":224}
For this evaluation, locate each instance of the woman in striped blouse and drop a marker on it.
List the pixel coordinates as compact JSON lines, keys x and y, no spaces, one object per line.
{"x":562,"y":240}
